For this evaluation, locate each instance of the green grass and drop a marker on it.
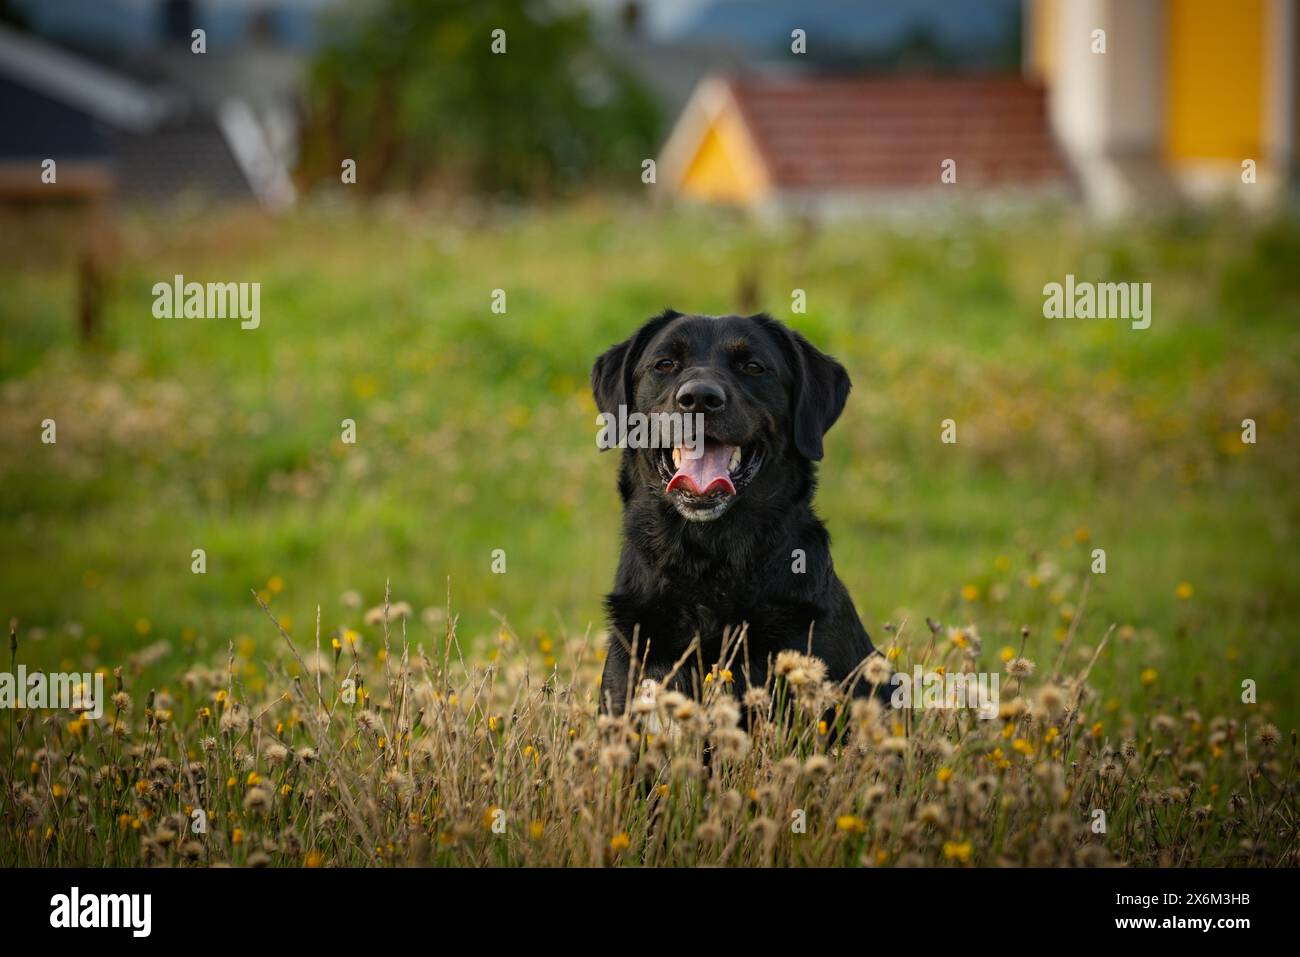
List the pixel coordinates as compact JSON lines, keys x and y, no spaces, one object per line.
{"x":476,"y":432}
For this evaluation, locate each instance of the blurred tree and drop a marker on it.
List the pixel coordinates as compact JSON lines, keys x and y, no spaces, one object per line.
{"x":413,"y":91}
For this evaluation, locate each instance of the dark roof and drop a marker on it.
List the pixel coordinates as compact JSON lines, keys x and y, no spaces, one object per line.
{"x":157,"y":140}
{"x":890,"y":131}
{"x":109,"y":97}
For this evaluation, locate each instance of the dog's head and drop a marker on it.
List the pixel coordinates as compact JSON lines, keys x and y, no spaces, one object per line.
{"x":766,"y":394}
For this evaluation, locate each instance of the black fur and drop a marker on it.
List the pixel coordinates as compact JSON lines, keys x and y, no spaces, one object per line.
{"x":677,"y":578}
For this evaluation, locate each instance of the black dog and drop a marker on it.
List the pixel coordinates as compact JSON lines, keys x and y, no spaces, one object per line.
{"x":729,"y":537}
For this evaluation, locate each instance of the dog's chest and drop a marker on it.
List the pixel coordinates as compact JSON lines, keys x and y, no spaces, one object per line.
{"x":712,"y":617}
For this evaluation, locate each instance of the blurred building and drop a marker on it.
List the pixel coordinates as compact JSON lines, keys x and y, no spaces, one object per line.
{"x":1186,"y":92}
{"x":1174,"y":101}
{"x":150,"y":120}
{"x":832,"y":144}
{"x":879,"y":109}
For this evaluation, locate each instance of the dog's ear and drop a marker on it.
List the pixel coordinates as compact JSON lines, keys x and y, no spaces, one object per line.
{"x":611,"y":376}
{"x":821,"y":387}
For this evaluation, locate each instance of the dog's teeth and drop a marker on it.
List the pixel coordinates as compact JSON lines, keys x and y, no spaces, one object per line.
{"x":677,"y":456}
{"x":735,"y":458}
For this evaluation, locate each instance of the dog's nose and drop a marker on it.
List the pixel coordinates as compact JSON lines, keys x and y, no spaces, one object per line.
{"x":701,"y":395}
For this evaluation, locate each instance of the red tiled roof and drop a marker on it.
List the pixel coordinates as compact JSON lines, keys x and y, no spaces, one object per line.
{"x":864,"y":132}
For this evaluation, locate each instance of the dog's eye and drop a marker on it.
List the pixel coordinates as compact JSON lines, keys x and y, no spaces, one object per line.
{"x":753,"y":368}
{"x":665,"y":365}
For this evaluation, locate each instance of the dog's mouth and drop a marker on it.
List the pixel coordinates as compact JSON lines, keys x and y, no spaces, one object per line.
{"x":702,"y":488}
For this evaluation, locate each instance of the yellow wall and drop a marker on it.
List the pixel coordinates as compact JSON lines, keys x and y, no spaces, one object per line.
{"x":1214,"y":71}
{"x":724,"y":167}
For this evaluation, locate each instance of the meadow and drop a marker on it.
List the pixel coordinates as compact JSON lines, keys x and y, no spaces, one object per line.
{"x":475,"y":432}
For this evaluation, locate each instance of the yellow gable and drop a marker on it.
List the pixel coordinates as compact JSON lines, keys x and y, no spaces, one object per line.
{"x":724,"y":167}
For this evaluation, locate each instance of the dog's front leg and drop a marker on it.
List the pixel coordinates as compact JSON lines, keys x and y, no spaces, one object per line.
{"x":614,"y":679}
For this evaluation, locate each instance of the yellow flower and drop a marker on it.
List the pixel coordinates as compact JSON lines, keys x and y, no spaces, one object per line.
{"x":1023,"y":746}
{"x":944,"y":775}
{"x":314,"y":859}
{"x":619,"y":842}
{"x":957,"y":851}
{"x":821,"y":727}
{"x":1002,"y":563}
{"x":275,"y":584}
{"x":1149,"y":676}
{"x":851,"y":823}
{"x":1184,"y":590}
{"x":237,"y":837}
{"x":536,"y":829}
{"x":1007,"y":653}
{"x":57,"y":790}
{"x":253,"y":778}
{"x":970,"y":592}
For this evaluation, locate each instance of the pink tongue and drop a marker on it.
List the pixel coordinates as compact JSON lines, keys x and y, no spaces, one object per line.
{"x":702,"y":475}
